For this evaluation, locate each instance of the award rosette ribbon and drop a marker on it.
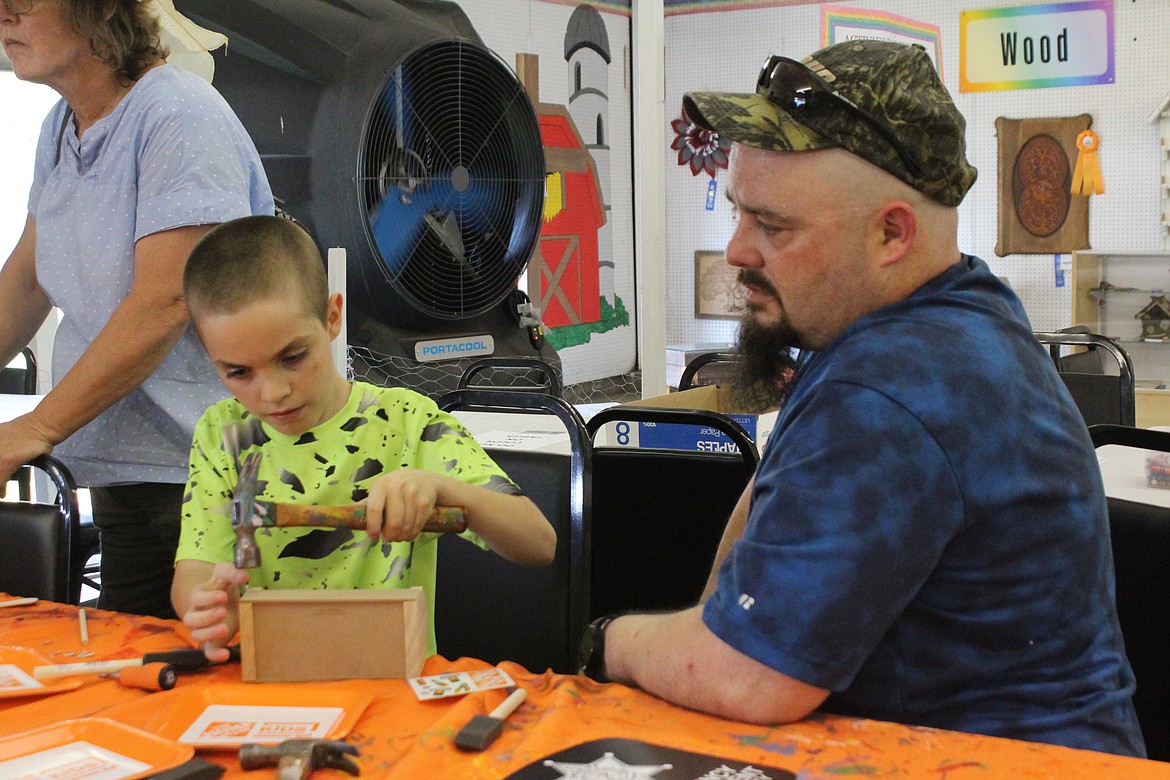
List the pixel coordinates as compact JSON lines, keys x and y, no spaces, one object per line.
{"x":1087,"y":176}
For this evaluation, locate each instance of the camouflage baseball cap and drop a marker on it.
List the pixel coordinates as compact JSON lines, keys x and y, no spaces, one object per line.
{"x":882,"y":101}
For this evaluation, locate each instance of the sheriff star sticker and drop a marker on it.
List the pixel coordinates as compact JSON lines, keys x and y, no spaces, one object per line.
{"x":606,"y":768}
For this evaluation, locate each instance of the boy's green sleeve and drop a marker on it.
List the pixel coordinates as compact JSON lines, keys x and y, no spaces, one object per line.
{"x":447,"y":447}
{"x":206,"y":531}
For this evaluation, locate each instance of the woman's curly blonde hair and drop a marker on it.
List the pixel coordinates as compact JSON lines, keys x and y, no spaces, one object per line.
{"x":122,"y":33}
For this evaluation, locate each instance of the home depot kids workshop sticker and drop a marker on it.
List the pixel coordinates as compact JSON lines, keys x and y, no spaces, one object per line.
{"x":1028,"y":47}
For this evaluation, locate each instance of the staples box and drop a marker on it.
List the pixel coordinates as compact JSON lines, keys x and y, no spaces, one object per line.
{"x":689,"y":437}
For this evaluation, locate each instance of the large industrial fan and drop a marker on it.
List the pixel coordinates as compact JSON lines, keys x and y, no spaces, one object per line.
{"x":387,"y":128}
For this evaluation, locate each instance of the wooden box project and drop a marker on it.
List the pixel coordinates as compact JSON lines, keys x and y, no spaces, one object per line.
{"x":298,"y":635}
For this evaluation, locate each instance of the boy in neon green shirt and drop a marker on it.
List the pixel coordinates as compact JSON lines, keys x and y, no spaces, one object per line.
{"x":258,"y":298}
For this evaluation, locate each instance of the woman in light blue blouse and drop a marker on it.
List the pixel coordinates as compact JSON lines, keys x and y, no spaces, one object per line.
{"x":134,"y":164}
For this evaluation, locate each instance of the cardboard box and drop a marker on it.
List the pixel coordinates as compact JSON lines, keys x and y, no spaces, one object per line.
{"x":689,"y":437}
{"x":298,"y":635}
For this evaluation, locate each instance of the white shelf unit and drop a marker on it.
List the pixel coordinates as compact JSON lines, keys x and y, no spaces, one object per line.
{"x":1109,"y":291}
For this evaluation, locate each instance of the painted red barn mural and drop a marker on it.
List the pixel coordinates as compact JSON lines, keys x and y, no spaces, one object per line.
{"x":563,"y":275}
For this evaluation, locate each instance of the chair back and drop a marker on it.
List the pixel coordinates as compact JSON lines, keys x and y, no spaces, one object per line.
{"x":512,"y":373}
{"x":1141,"y":549}
{"x":495,"y":610}
{"x":659,"y":514}
{"x":37,"y":540}
{"x":710,"y":368}
{"x":15,"y":380}
{"x":1102,"y":396}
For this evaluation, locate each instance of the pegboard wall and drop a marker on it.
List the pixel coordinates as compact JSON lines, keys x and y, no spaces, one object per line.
{"x":723,"y":50}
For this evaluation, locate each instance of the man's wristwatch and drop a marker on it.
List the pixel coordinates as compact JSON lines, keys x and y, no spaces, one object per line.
{"x":592,"y":653}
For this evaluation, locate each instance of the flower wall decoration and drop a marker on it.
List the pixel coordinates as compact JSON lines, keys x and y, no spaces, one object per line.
{"x":701,"y":149}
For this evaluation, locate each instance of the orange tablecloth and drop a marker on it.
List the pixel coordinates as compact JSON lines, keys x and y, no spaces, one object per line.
{"x":402,"y":738}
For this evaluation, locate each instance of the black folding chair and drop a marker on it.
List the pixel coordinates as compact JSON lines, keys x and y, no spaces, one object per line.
{"x":710,"y":368}
{"x":511,"y":373}
{"x":17,"y":380}
{"x":659,"y":514}
{"x":1104,"y":393}
{"x":1141,"y":548}
{"x":38,"y":540}
{"x":21,"y":380}
{"x":494,"y":610}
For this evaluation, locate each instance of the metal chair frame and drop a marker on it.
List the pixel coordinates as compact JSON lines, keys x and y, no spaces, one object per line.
{"x":65,"y":579}
{"x":1127,"y":394}
{"x":517,"y":364}
{"x":23,"y":379}
{"x":573,"y":550}
{"x":1141,"y":545}
{"x":687,"y":380}
{"x":657,"y":526}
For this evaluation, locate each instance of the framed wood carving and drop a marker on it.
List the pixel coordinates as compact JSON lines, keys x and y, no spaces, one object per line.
{"x":718,"y":295}
{"x":1037,"y":213}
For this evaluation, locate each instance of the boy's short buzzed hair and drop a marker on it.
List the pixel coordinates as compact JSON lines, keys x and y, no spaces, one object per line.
{"x":241,"y":261}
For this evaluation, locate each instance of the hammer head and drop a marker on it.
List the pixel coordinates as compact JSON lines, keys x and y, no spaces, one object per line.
{"x":247,"y":554}
{"x":296,"y":759}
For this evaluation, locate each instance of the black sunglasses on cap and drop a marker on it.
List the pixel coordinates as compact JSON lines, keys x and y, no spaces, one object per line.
{"x":792,"y":86}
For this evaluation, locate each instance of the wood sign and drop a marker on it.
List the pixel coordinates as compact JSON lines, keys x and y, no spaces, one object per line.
{"x":1037,"y":212}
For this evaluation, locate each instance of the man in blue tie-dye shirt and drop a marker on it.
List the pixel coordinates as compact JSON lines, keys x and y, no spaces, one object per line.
{"x":926,"y":537}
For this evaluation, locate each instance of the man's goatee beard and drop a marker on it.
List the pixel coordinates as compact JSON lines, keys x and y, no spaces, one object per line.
{"x":762,"y":378}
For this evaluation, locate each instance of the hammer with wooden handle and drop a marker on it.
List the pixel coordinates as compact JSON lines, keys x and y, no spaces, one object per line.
{"x":296,"y":759}
{"x":250,"y":513}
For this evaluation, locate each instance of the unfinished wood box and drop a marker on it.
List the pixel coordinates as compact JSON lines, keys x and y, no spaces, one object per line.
{"x":297,"y":635}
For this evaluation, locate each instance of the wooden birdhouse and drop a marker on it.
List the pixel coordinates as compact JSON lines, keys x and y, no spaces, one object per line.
{"x":1155,"y":317}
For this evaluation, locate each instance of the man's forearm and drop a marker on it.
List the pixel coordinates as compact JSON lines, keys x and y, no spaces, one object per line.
{"x":662,"y":655}
{"x":677,"y":658}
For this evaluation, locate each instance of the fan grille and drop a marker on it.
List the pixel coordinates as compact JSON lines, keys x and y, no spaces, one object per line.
{"x":452,"y":179}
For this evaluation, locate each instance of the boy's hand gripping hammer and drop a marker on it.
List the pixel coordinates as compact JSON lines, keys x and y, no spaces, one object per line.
{"x":250,"y":513}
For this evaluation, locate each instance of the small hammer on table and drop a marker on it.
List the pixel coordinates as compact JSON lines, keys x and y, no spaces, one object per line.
{"x":250,"y":513}
{"x":296,"y":759}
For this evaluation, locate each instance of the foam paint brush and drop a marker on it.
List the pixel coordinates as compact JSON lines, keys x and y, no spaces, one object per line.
{"x":187,"y":659}
{"x":482,"y":730}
